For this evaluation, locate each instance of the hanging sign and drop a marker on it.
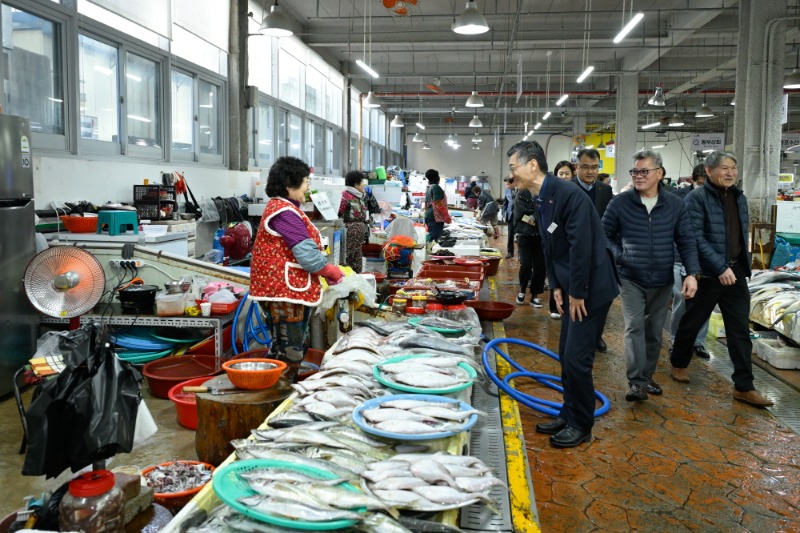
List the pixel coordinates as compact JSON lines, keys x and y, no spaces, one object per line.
{"x":790,"y":140}
{"x":323,"y":204}
{"x":786,"y":178}
{"x":785,"y":109}
{"x":708,"y":141}
{"x":611,"y":151}
{"x":519,"y":76}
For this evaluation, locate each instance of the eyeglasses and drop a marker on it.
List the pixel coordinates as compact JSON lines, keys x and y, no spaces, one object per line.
{"x":640,"y":171}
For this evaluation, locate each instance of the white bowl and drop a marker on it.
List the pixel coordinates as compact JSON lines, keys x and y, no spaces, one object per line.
{"x":154,"y":229}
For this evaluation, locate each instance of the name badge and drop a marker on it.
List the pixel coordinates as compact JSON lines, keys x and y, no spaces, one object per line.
{"x":552,"y":227}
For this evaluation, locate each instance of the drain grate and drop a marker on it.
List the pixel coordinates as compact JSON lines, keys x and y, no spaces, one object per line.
{"x":787,"y":399}
{"x":486,"y":443}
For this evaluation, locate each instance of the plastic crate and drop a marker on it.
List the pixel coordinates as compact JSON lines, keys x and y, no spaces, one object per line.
{"x":153,"y":193}
{"x":774,"y":352}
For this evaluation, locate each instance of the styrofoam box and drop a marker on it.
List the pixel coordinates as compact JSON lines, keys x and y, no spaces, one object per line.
{"x":775,"y":353}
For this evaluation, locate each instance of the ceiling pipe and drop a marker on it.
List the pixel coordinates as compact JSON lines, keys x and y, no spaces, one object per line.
{"x":415,"y":94}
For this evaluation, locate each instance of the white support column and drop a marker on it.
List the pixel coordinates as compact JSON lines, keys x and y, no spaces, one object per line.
{"x":627,"y":124}
{"x":759,"y":99}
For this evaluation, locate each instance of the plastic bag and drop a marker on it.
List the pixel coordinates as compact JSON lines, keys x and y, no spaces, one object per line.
{"x":363,"y":286}
{"x":85,"y":414}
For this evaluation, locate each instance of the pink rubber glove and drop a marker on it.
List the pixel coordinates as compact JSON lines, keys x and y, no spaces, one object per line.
{"x":331,"y":273}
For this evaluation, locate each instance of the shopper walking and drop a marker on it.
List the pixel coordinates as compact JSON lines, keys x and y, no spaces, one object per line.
{"x":532,"y":270}
{"x":582,"y":275}
{"x":643,"y":227}
{"x":509,"y":195}
{"x":564,"y":170}
{"x":678,"y":303}
{"x":588,"y":169}
{"x":436,"y":213}
{"x":287,"y":263}
{"x":719,"y":217}
{"x":353,"y":211}
{"x":470,"y":195}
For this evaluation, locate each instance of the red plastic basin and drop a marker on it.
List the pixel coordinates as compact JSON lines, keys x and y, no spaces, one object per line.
{"x":186,"y":402}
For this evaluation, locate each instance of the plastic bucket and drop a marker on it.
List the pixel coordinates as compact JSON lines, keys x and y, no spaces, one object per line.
{"x":186,"y":402}
{"x":163,"y":374}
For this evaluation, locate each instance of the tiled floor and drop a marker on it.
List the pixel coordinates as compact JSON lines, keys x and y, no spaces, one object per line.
{"x":690,"y":460}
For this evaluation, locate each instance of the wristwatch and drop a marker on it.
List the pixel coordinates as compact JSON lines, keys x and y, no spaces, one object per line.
{"x":697,"y":276}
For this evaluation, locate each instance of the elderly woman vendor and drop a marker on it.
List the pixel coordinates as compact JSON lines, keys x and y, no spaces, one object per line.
{"x":287,"y":263}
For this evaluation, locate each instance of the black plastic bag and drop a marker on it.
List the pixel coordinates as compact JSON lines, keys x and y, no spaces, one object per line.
{"x":88,"y":412}
{"x":372,"y":203}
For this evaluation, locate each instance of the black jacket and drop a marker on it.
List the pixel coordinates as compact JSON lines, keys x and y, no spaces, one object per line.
{"x":602,"y":195}
{"x":644,"y":243}
{"x":524,"y":205}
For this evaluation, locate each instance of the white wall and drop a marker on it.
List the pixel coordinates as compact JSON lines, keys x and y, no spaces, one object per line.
{"x":101,"y":181}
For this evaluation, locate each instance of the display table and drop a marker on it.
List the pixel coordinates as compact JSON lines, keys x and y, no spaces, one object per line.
{"x":173,"y":242}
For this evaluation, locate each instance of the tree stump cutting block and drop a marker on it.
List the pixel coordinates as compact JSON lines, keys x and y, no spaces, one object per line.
{"x":224,"y":417}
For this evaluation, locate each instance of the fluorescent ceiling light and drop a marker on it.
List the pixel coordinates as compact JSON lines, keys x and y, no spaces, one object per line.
{"x":206,"y":106}
{"x":546,"y":115}
{"x":56,"y":100}
{"x":628,"y":27}
{"x":471,"y":21}
{"x":585,"y":74}
{"x":792,"y":81}
{"x":371,"y":100}
{"x":661,"y":135}
{"x":651,"y":125}
{"x":366,"y":68}
{"x":474,"y":100}
{"x":657,"y":146}
{"x":708,"y":151}
{"x":704,"y":111}
{"x":676,"y":121}
{"x":420,"y":125}
{"x":589,"y":147}
{"x":733,"y":102}
{"x":138,"y":118}
{"x":276,"y":24}
{"x":475,"y":122}
{"x":397,"y":122}
{"x":562,"y":99}
{"x":537,"y":126}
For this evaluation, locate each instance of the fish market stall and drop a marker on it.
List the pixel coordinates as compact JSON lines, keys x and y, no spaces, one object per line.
{"x":775,"y":302}
{"x":397,"y":422}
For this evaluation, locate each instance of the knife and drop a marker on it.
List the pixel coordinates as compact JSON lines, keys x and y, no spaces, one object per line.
{"x":213,"y":390}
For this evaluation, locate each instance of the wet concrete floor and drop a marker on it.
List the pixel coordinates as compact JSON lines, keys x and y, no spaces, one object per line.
{"x":693,"y":459}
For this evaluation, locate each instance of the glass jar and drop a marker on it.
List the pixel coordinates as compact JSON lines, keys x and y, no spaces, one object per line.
{"x":418,"y":300}
{"x":434,"y":309}
{"x":455,"y":312}
{"x":415,"y":311}
{"x":93,"y":504}
{"x":399,"y":305}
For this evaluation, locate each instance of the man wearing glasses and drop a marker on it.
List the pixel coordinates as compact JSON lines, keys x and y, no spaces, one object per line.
{"x":583,"y":279}
{"x":600,"y":194}
{"x":643,"y":226}
{"x":719,"y":217}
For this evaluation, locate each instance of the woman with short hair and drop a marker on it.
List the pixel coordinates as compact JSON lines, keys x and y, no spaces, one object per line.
{"x":353,"y":211}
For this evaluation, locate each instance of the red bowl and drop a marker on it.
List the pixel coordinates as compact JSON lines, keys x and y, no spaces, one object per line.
{"x":491,"y":310}
{"x":380,"y":277}
{"x":162,"y":374}
{"x":186,"y":402}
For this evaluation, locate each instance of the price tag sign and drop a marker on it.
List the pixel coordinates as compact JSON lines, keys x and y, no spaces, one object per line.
{"x":323,"y":204}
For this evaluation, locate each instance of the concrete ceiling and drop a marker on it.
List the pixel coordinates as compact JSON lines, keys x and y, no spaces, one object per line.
{"x":690,"y":46}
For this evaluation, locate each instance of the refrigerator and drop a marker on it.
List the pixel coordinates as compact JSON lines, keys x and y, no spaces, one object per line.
{"x":19,"y":321}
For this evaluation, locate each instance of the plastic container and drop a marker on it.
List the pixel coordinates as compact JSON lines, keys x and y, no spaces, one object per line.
{"x":415,"y":311}
{"x":418,"y":301}
{"x":254,"y":379}
{"x":170,"y":304}
{"x":455,"y":312}
{"x":163,"y":374}
{"x":174,"y":501}
{"x":93,"y":504}
{"x":79,"y":224}
{"x":186,"y":402}
{"x":399,"y":305}
{"x":434,"y":309}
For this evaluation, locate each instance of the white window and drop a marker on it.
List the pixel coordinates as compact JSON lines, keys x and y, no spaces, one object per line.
{"x":143,"y":102}
{"x":265,"y":148}
{"x":98,"y":90}
{"x":182,"y":115}
{"x":290,"y":68}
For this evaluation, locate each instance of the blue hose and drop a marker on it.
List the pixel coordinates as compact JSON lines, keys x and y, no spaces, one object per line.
{"x":258,"y":332}
{"x":544,"y":406}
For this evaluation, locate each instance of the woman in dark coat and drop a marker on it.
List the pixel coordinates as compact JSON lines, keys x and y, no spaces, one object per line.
{"x":353,"y":211}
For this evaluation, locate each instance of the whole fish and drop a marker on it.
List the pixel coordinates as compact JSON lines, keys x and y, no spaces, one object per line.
{"x":326,"y":410}
{"x":411,"y":404}
{"x":419,"y":366}
{"x":295,"y":510}
{"x":280,"y":474}
{"x":342,"y":498}
{"x":428,"y":380}
{"x":399,"y":483}
{"x":411,"y":427}
{"x":436,"y":344}
{"x":400,"y":498}
{"x":240,"y":522}
{"x":418,"y":525}
{"x":378,"y":475}
{"x":432,"y":472}
{"x":291,"y":457}
{"x":478,"y":483}
{"x":354,"y":367}
{"x":336,"y":397}
{"x":446,"y":413}
{"x":380,"y":523}
{"x":380,"y":414}
{"x":447,"y":495}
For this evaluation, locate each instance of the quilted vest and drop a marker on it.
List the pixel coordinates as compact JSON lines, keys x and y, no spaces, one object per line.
{"x":275,"y":274}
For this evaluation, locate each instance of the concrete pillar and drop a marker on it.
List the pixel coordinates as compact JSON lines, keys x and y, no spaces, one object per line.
{"x":237,"y":81}
{"x":627,"y":124}
{"x":759,"y":99}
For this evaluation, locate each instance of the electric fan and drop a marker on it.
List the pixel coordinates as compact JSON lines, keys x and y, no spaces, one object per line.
{"x":64,"y":281}
{"x":399,"y":7}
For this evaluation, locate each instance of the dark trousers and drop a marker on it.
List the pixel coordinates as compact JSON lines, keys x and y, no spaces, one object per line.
{"x":734,"y":302}
{"x":434,"y":230}
{"x":531,"y":264}
{"x":576,"y":349}
{"x":510,"y":240}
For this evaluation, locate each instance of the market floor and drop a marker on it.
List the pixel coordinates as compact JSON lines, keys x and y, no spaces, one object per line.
{"x":691,"y":460}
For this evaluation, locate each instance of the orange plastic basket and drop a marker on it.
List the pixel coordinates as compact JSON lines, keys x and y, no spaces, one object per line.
{"x":79,"y":224}
{"x":254,"y":379}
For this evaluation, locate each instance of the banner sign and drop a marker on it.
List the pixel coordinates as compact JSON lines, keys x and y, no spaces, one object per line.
{"x":708,"y":141}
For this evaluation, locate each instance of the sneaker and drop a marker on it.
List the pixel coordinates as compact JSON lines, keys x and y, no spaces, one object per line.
{"x":555,"y":316}
{"x":521,"y":298}
{"x":536,"y":302}
{"x":636,"y":394}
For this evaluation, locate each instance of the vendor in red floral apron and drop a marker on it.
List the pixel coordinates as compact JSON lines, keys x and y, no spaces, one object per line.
{"x":288,"y":262}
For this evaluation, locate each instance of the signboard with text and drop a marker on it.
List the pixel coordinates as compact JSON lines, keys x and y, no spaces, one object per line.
{"x":708,"y":141}
{"x":790,"y":140}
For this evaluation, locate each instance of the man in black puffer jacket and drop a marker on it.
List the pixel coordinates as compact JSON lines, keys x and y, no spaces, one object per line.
{"x":719,"y":217}
{"x":643,"y":225}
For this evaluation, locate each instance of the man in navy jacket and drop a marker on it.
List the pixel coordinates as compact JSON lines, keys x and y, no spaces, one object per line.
{"x":643,"y":226}
{"x":582,"y":276}
{"x":719,"y":217}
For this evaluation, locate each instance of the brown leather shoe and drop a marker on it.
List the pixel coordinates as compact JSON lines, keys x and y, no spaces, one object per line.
{"x":753,"y":398}
{"x":680,"y":375}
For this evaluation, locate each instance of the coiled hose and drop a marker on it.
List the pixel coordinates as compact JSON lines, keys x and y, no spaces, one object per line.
{"x":544,"y":406}
{"x":254,"y":328}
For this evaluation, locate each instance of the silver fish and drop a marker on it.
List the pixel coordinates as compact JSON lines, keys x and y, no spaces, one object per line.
{"x":478,"y":483}
{"x":432,"y":472}
{"x":428,"y":380}
{"x":379,"y":414}
{"x":295,"y":510}
{"x":341,"y":497}
{"x":399,"y":483}
{"x":354,"y":367}
{"x":466,"y":471}
{"x":446,"y":495}
{"x":415,"y":366}
{"x":326,"y":410}
{"x":335,"y":397}
{"x":278,"y":474}
{"x":411,"y":427}
{"x":446,"y":413}
{"x":411,"y":404}
{"x":291,"y":457}
{"x":400,"y":498}
{"x":378,"y":475}
{"x":380,"y":523}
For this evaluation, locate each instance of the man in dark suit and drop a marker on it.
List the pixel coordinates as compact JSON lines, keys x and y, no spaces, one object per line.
{"x":584,"y":281}
{"x":588,"y":169}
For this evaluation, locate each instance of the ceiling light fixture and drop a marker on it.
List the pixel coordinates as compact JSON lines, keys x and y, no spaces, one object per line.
{"x":676,"y":121}
{"x":704,"y":111}
{"x":371,"y":100}
{"x":792,"y":81}
{"x":477,"y":138}
{"x":476,"y":147}
{"x":733,"y":102}
{"x":601,"y":146}
{"x":475,"y":122}
{"x":426,"y":146}
{"x":276,"y":24}
{"x":587,"y":32}
{"x":660,"y":135}
{"x":420,"y":125}
{"x":657,"y":146}
{"x":397,"y":122}
{"x":651,"y":125}
{"x":564,"y":94}
{"x":629,"y":26}
{"x":562,"y":99}
{"x":658,"y":97}
{"x":474,"y":99}
{"x":366,"y":67}
{"x":537,"y":126}
{"x":416,"y":138}
{"x":471,"y":21}
{"x":546,"y":115}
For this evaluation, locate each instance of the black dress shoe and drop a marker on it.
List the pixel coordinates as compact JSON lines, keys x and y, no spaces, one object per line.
{"x":701,"y":352}
{"x":653,"y":388}
{"x":636,"y":394}
{"x":601,"y":346}
{"x":570,"y":437}
{"x":551,"y":428}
